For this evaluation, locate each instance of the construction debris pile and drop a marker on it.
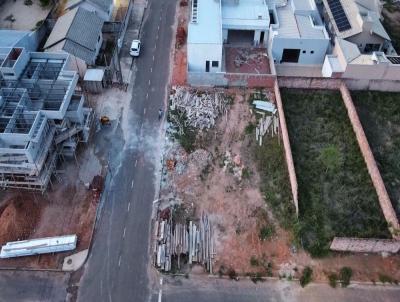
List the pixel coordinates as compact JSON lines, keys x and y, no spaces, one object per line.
{"x":268,"y":123}
{"x":244,"y":56}
{"x":234,"y":165}
{"x":195,"y":108}
{"x":178,"y":244}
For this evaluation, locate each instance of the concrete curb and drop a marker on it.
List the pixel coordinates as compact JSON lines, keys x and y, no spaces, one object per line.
{"x":265,"y":279}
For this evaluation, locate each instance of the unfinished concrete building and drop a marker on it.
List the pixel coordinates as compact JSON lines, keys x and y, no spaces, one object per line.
{"x":42,"y":116}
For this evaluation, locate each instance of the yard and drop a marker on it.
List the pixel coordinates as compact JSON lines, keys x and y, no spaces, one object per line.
{"x":336,"y":196}
{"x":379,"y":113}
{"x":23,"y":14}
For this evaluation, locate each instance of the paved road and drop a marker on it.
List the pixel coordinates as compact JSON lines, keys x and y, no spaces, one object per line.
{"x":19,"y":286}
{"x":200,"y":289}
{"x":117,"y":269}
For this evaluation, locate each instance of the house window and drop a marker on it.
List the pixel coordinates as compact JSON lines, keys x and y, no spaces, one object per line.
{"x":372,"y":47}
{"x":8,"y":74}
{"x":312,"y":51}
{"x":303,"y":51}
{"x":215,"y":64}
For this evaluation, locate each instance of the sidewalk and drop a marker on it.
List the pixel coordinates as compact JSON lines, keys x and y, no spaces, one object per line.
{"x":132,"y":32}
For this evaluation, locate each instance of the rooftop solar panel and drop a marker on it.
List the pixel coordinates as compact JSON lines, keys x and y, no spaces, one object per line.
{"x":394,"y":60}
{"x":342,"y":23}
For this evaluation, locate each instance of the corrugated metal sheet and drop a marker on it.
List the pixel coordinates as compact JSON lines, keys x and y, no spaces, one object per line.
{"x":38,"y":246}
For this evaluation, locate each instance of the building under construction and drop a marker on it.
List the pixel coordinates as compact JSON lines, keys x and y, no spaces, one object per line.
{"x":42,"y":116}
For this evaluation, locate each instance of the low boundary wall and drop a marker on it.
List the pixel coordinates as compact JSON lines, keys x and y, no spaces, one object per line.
{"x":334,"y":84}
{"x":231,"y":79}
{"x":287,"y":147}
{"x":364,"y":245}
{"x":383,"y":197}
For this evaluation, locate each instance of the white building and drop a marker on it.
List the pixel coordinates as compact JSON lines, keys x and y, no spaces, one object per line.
{"x":215,"y":22}
{"x":297,"y":33}
{"x":292,"y":29}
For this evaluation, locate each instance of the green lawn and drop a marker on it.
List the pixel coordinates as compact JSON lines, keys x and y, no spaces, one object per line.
{"x":379,"y":113}
{"x":336,"y":196}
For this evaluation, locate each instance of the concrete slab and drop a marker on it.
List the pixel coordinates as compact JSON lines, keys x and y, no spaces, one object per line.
{"x":75,"y":261}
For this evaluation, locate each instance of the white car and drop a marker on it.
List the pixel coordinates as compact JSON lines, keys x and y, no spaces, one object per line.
{"x":135,"y":48}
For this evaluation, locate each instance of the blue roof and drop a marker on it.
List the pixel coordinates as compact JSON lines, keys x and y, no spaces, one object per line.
{"x":8,"y":38}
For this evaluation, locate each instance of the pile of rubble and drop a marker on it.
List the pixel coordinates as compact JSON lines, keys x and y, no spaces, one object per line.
{"x":234,"y":165}
{"x":244,"y":56}
{"x":190,"y":241}
{"x":194,"y":108}
{"x":268,"y":122}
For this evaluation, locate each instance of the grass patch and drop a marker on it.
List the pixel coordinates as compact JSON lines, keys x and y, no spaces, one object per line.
{"x":379,"y":113}
{"x":275,"y":184}
{"x":336,"y":196}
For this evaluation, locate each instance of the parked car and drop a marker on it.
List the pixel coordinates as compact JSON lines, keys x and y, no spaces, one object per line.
{"x":135,"y":48}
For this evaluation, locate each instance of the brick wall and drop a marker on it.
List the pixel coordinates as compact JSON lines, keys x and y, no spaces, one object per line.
{"x":287,"y":147}
{"x":372,"y":167}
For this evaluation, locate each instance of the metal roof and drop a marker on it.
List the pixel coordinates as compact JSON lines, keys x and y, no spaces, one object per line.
{"x":94,"y":75}
{"x":81,"y":30}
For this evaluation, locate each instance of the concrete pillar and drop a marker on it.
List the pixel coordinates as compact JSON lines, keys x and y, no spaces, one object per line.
{"x":257,"y":34}
{"x":225,"y":35}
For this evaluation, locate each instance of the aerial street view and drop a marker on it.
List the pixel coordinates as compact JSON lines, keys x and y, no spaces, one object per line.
{"x":199,"y":150}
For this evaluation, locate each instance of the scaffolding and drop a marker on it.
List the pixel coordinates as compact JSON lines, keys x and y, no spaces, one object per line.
{"x":42,"y":117}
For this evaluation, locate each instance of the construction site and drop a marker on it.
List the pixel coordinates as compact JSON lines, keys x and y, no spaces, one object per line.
{"x":42,"y":116}
{"x":44,"y":175}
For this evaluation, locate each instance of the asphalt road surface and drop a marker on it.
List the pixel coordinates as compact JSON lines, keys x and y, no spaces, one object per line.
{"x":203,"y":289}
{"x":118,"y":267}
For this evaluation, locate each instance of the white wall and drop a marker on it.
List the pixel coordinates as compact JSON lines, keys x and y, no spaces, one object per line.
{"x":318,"y":46}
{"x":198,"y":54}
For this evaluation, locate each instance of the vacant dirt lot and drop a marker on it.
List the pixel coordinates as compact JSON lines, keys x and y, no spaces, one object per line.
{"x":254,"y":229}
{"x":67,"y":208}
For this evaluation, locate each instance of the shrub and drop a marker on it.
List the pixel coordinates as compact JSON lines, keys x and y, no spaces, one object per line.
{"x":386,"y":279}
{"x":28,"y":2}
{"x":332,"y":279}
{"x":254,"y":261}
{"x":306,"y":276}
{"x":266,"y":232}
{"x":44,"y":3}
{"x":249,"y":128}
{"x":232,"y":274}
{"x":183,"y":3}
{"x":345,"y":275}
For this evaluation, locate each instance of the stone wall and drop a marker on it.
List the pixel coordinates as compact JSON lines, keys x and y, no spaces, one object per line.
{"x":383,"y":197}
